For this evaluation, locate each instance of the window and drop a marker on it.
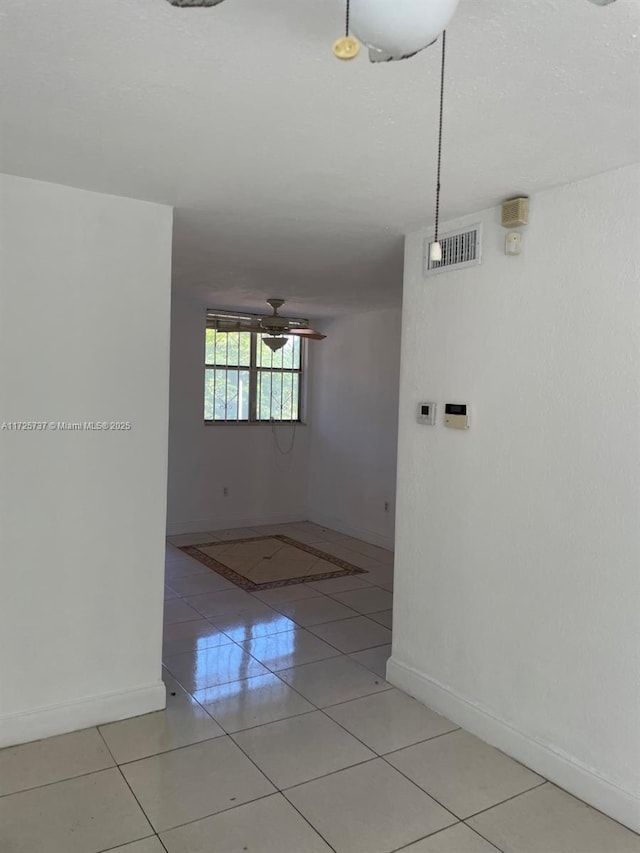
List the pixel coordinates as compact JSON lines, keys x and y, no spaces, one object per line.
{"x":245,"y":382}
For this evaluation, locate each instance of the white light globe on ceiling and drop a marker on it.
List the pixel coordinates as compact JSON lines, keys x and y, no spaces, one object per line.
{"x":400,"y":27}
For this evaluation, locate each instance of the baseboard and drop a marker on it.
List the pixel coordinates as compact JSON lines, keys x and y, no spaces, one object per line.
{"x":80,"y":714}
{"x":371,"y":536}
{"x":562,"y":769}
{"x":176,"y":528}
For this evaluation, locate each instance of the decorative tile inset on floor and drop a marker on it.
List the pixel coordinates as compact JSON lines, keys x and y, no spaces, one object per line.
{"x":267,"y":562}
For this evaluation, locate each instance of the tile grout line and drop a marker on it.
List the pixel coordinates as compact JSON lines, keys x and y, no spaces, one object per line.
{"x":124,"y":779}
{"x":58,"y":781}
{"x":507,"y":800}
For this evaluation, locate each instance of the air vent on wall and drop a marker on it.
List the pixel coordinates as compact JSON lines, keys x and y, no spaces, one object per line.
{"x":460,"y":249}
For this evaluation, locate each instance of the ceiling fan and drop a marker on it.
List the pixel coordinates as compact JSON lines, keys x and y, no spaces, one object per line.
{"x":274,"y":327}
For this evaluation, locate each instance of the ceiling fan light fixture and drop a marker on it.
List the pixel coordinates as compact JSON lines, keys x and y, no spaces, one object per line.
{"x":274,"y":343}
{"x":400,"y":28}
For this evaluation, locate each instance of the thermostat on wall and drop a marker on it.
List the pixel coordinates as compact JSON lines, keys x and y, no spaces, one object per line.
{"x":427,"y":413}
{"x":456,"y":415}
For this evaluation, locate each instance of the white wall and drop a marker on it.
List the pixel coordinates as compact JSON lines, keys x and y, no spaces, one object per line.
{"x":264,"y":485}
{"x":84,"y":317}
{"x":354,"y":417}
{"x":518,"y":542}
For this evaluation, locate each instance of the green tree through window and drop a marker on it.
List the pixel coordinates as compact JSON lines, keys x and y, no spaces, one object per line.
{"x":244,"y":381}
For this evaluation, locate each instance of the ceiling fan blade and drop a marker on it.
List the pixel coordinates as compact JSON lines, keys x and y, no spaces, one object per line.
{"x":307,"y":333}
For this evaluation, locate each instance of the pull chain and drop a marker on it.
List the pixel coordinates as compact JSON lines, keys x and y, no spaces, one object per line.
{"x":436,"y":249}
{"x":346,"y":47}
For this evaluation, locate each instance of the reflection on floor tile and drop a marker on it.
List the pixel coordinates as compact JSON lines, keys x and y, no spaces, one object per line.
{"x":270,"y":825}
{"x":456,"y":839}
{"x":370,"y":808}
{"x":187,"y":784}
{"x":247,"y":625}
{"x":252,"y":702}
{"x":550,"y":819}
{"x":335,"y":680}
{"x":189,"y":636}
{"x":210,"y":667}
{"x":44,"y":761}
{"x":84,"y":815}
{"x":292,"y":648}
{"x":301,"y":748}
{"x":389,"y":720}
{"x":463,"y":773}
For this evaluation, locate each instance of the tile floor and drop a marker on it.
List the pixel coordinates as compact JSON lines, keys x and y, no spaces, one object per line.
{"x":282,"y":736}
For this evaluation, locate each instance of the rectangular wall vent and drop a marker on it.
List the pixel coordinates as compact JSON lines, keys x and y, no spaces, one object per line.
{"x":460,"y":249}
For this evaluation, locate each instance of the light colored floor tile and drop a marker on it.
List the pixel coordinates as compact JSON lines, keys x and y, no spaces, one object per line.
{"x":463,"y":773}
{"x":384,"y":618}
{"x":317,"y":532}
{"x":375,"y":552}
{"x":182,"y":637}
{"x":148,"y":845}
{"x":285,"y":650}
{"x":228,"y":533}
{"x":44,"y":761}
{"x":275,"y":529}
{"x":368,"y":809}
{"x":177,"y":610}
{"x":301,"y":748}
{"x":345,"y":584}
{"x":338,"y":549}
{"x":188,"y":784}
{"x":84,"y":815}
{"x":371,"y":600}
{"x":184,"y":568}
{"x":335,"y":680}
{"x":286,"y":593}
{"x":183,"y":722}
{"x":270,"y":825}
{"x":353,"y":635}
{"x":254,"y":623}
{"x":456,"y":839}
{"x":226,"y":602}
{"x":210,"y":667}
{"x":314,"y":611}
{"x":201,"y":583}
{"x":389,"y":720}
{"x":169,"y":593}
{"x":374,"y":659}
{"x":252,"y":702}
{"x":192,"y":538}
{"x":381,"y":577}
{"x":548,"y":819}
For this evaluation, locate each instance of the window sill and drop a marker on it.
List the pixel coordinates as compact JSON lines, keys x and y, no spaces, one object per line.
{"x":253,"y":423}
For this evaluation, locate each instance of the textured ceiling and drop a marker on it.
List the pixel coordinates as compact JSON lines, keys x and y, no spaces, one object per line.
{"x":293,"y":174}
